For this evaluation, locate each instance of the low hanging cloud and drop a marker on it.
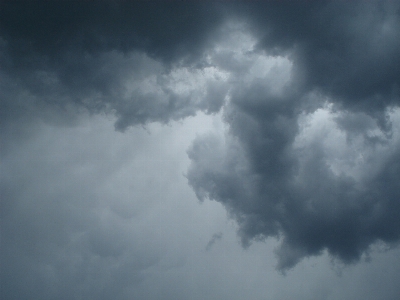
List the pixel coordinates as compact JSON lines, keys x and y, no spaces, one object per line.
{"x":309,"y":93}
{"x":316,"y":190}
{"x":346,"y":50}
{"x":140,"y":61}
{"x":313,"y":157}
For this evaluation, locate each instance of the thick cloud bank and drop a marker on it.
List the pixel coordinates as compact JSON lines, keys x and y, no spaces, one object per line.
{"x":309,"y":93}
{"x":311,"y":155}
{"x":135,"y":59}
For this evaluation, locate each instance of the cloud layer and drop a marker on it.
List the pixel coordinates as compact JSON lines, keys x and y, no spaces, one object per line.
{"x":139,"y":61}
{"x":309,"y":94}
{"x":312,"y":157}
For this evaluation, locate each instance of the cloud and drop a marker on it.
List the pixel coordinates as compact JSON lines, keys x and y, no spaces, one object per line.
{"x":137,"y":60}
{"x":89,"y":212}
{"x":309,"y":93}
{"x":346,"y":50}
{"x":307,"y":184}
{"x":311,"y":158}
{"x":213,"y":240}
{"x":59,"y":238}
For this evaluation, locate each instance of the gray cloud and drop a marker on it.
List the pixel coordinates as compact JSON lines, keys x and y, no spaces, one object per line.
{"x":312,"y":162}
{"x":346,"y":50}
{"x":158,"y":28}
{"x":301,"y":192}
{"x":89,"y":212}
{"x":59,"y":240}
{"x":213,"y":240}
{"x":309,"y":156}
{"x":60,"y":59}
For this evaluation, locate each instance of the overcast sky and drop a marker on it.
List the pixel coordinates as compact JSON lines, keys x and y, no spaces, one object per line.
{"x":200,"y":150}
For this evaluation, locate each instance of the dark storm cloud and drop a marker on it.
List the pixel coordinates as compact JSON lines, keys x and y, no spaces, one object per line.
{"x":281,"y":170}
{"x":274,"y":188}
{"x":63,"y":57}
{"x":67,"y":230}
{"x":165,"y":30}
{"x":315,"y":186}
{"x":347,"y":50}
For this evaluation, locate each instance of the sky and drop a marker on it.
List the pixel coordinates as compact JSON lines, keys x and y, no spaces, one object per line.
{"x":200,"y":149}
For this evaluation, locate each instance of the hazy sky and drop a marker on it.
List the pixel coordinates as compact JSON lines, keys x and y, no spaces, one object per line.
{"x":200,"y":150}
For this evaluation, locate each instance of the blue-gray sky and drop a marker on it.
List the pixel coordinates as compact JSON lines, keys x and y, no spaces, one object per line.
{"x":220,"y":150}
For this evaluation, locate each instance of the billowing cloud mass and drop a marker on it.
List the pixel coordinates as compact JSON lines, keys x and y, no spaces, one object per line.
{"x":288,"y":112}
{"x":312,"y":151}
{"x":131,"y":58}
